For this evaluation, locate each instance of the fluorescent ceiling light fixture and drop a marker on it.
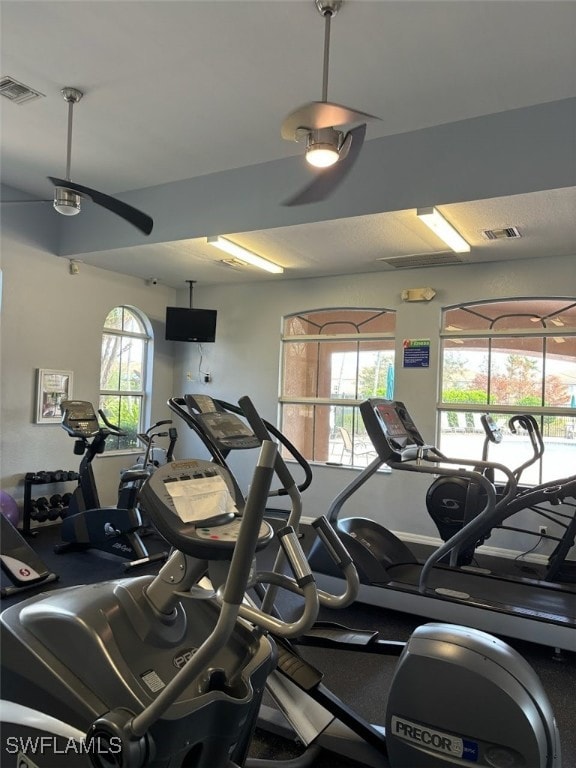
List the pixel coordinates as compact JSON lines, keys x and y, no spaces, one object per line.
{"x":445,"y":231}
{"x":241,"y":253}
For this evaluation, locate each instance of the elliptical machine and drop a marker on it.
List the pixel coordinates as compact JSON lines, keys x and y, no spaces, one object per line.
{"x":452,"y":502}
{"x":165,"y":671}
{"x":135,"y":673}
{"x":88,"y":525}
{"x":20,"y":562}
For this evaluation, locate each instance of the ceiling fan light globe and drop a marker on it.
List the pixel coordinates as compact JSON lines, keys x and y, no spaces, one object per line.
{"x":322,"y":155}
{"x":66,"y":202}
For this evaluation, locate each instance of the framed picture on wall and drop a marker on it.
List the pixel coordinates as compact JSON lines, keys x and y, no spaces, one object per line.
{"x":52,"y":387}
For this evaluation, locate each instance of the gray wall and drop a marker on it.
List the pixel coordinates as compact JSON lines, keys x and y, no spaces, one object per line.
{"x":52,"y":319}
{"x":246,"y":356}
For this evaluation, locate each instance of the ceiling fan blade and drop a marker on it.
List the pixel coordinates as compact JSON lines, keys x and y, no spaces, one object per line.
{"x":137,"y":218}
{"x":321,"y":114}
{"x":19,"y":202}
{"x":327,"y":180}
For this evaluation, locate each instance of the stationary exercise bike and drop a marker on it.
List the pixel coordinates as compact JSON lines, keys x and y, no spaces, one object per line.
{"x":153,"y":457}
{"x":453,"y":501}
{"x":88,"y":525}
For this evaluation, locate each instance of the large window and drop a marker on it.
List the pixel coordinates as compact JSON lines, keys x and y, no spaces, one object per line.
{"x":332,"y":359}
{"x":508,"y":358}
{"x":123,"y":374}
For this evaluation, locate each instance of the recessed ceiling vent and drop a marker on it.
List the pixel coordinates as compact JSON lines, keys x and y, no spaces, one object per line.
{"x":16,"y":92}
{"x":232,"y":262}
{"x":506,"y":233}
{"x":422,"y":260}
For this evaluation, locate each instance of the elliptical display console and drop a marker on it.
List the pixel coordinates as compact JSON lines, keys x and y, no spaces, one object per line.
{"x":225,"y":429}
{"x":191,"y":504}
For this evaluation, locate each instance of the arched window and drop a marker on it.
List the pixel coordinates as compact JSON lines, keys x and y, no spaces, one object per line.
{"x":510,"y":357}
{"x":124,"y":374}
{"x":332,"y":360}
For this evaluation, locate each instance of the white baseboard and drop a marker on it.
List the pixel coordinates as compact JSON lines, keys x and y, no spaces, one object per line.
{"x":509,"y":554}
{"x":432,"y":541}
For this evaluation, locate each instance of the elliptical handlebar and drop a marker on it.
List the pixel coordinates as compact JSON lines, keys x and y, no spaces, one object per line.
{"x":302,"y":584}
{"x":529,"y":423}
{"x":148,"y":436}
{"x":326,"y":534}
{"x":271,"y":430}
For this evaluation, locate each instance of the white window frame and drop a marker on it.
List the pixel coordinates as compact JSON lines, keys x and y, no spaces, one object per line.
{"x":147,"y":339}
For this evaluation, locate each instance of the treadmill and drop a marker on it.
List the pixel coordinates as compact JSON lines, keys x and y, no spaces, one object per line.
{"x":391,"y":577}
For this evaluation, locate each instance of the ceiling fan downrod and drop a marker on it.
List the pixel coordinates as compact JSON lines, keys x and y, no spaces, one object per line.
{"x":327,"y":9}
{"x":72,"y":96}
{"x":66,"y":201}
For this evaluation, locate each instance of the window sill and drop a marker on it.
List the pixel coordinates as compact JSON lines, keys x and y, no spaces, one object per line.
{"x":336,"y":465}
{"x":115,"y":454}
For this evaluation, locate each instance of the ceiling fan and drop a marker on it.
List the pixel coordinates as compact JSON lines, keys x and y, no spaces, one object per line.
{"x":316,"y":123}
{"x":68,"y":194}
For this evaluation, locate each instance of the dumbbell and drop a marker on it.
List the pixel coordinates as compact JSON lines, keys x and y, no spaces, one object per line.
{"x":38,"y":477}
{"x":56,"y":507}
{"x":66,"y":497}
{"x":33,"y":509}
{"x":40,"y":507}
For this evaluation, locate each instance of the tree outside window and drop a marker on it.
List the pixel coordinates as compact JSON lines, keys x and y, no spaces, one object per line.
{"x":511,"y":357}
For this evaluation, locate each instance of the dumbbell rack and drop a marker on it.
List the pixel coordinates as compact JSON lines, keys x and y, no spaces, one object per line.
{"x":44,"y":477}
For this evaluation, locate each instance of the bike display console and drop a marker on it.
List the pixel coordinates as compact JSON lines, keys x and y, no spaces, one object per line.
{"x":79,"y":418}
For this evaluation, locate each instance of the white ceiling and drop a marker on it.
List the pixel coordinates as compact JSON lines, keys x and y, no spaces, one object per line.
{"x":178,"y":90}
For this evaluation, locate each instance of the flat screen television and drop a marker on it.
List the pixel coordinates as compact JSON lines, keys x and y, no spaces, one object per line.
{"x":186,"y":324}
